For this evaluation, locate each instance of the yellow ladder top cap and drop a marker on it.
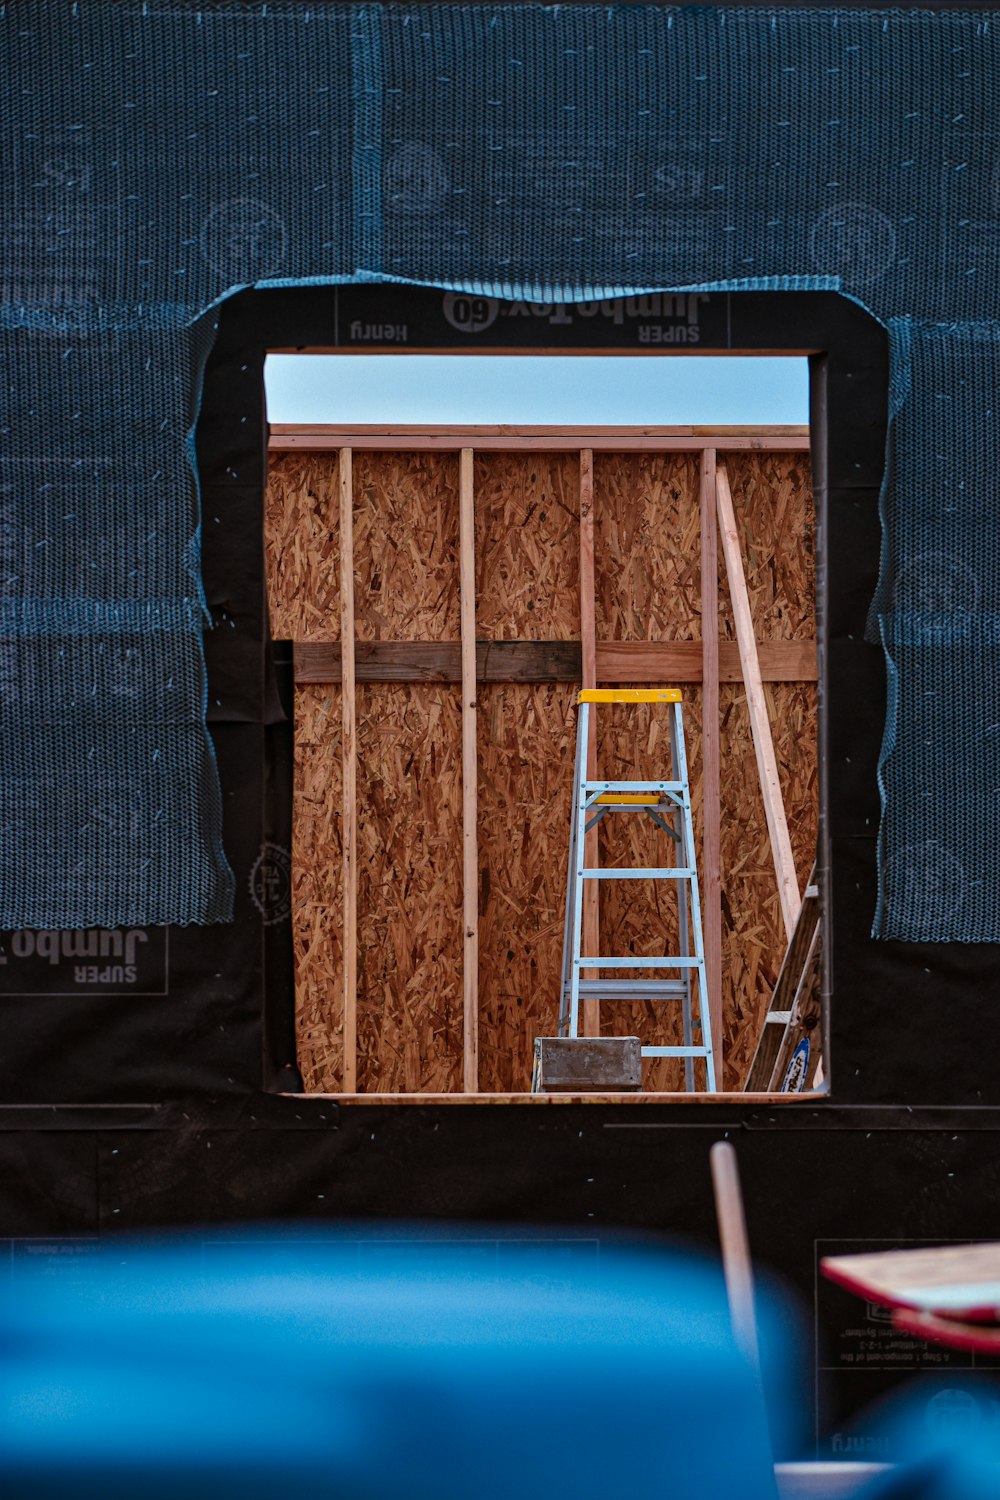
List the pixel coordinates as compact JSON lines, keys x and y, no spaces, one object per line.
{"x":629,"y":695}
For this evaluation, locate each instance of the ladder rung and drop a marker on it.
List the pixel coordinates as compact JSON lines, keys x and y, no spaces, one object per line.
{"x":674,"y":1051}
{"x":638,"y":963}
{"x":670,"y":872}
{"x":778,"y":1017}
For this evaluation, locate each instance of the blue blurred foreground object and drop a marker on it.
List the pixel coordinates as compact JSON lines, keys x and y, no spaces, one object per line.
{"x":945,"y":1431}
{"x":406,"y":1368}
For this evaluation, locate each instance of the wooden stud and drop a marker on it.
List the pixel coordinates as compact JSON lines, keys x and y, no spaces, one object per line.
{"x":711,"y":882}
{"x":767,"y":766}
{"x":349,"y":756}
{"x":590,"y":937}
{"x":470,"y":847}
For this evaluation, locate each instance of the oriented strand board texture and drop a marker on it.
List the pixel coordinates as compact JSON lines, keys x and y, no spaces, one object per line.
{"x":406,"y":546}
{"x":409,"y":769}
{"x":773,"y":504}
{"x":647,"y":540}
{"x":317,"y":890}
{"x":648,"y":588}
{"x":528,"y":572}
{"x":526,"y":736}
{"x":527,"y":546}
{"x":303,"y":579}
{"x":301,"y":546}
{"x":406,"y":525}
{"x":409,"y":888}
{"x":648,"y":550}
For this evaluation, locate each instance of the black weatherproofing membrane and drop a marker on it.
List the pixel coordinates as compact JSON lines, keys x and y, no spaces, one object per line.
{"x":826,"y":180}
{"x":557,"y":154}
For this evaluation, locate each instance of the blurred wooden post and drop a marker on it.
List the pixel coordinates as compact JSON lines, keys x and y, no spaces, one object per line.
{"x":736,"y":1264}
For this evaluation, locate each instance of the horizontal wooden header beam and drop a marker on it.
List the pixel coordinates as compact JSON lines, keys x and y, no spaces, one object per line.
{"x":284,"y":437}
{"x":548,"y":1101}
{"x":666,"y":662}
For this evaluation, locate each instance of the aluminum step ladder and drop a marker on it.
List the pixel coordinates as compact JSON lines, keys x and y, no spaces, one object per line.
{"x":668,"y":803}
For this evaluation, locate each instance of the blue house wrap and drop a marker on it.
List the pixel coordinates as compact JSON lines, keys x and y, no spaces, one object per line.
{"x":158,"y":157}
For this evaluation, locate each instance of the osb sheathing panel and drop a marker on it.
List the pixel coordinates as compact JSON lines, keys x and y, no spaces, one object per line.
{"x":648,"y":588}
{"x":526,"y":736}
{"x":303,"y":578}
{"x":527,"y":588}
{"x":406,"y":547}
{"x":640,"y":917}
{"x":753,"y":937}
{"x":406,"y":587}
{"x":409,"y":770}
{"x":647,"y":541}
{"x":773,"y":504}
{"x":317,"y":892}
{"x":527,"y":546}
{"x":409,"y":888}
{"x":301,"y":544}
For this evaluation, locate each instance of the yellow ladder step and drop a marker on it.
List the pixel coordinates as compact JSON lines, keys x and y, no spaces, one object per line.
{"x":627,"y":799}
{"x":629,"y":695}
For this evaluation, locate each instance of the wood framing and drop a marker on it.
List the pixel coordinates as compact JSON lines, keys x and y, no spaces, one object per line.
{"x":774,"y":807}
{"x":322,"y":438}
{"x":470,"y":851}
{"x":678,"y":662}
{"x":711,"y":885}
{"x":675,"y":662}
{"x":456,"y":691}
{"x":590,"y":1011}
{"x":796,"y":964}
{"x":349,"y":761}
{"x":799,"y":1057}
